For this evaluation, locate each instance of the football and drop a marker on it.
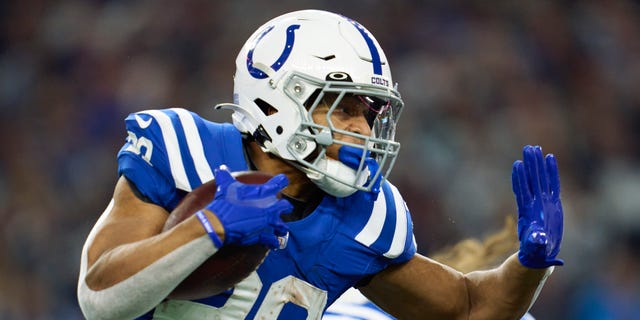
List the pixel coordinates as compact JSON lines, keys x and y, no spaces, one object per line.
{"x":231,"y":264}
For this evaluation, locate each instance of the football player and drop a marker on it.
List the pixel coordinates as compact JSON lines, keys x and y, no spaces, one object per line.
{"x":314,"y":105}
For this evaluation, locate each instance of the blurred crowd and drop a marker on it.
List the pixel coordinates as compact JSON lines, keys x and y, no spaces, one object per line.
{"x":480,"y":79}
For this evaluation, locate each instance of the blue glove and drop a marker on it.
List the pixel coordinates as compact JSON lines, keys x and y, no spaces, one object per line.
{"x":249,"y":213}
{"x":536,"y":185}
{"x":351,"y":156}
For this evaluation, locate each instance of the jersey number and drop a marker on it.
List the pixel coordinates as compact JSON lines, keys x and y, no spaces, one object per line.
{"x":137,"y":145}
{"x":245,"y":295}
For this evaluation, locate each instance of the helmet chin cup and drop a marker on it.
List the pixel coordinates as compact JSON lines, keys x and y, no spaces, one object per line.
{"x":332,"y":186}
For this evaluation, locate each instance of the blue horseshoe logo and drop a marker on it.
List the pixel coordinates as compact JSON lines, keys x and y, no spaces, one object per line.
{"x":257,"y":73}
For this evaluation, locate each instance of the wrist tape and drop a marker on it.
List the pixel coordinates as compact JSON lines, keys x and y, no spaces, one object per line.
{"x":209,"y":228}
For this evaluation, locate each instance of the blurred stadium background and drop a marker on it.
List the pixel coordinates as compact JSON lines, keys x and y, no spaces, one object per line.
{"x":480,"y":79}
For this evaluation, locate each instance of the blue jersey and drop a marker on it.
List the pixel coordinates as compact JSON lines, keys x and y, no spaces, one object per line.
{"x":344,"y":240}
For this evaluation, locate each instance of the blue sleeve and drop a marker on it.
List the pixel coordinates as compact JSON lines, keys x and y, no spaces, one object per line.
{"x":170,"y":152}
{"x":143,"y":160}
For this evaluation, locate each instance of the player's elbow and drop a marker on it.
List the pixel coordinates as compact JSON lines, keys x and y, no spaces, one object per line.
{"x":92,"y":307}
{"x":100,"y":305}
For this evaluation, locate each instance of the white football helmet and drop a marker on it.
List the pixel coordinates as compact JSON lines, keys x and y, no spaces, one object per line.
{"x":285,"y":70}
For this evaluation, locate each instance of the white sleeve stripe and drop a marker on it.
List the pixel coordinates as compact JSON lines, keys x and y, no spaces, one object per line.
{"x":400,"y":234}
{"x":173,"y":149}
{"x":195,"y":144}
{"x":372,"y":230}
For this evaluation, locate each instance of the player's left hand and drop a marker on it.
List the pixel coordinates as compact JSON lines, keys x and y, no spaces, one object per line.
{"x":536,"y":185}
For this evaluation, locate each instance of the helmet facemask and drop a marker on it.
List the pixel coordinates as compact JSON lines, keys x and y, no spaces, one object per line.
{"x":381,"y":108}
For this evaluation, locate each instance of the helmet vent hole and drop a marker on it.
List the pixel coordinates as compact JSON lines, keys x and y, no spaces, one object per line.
{"x":279,"y":130}
{"x":327,"y":58}
{"x":265,"y":107}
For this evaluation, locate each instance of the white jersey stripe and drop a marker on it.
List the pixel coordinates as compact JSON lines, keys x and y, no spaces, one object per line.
{"x":372,"y":230}
{"x":194,"y":142}
{"x":400,"y":234}
{"x":173,"y":150}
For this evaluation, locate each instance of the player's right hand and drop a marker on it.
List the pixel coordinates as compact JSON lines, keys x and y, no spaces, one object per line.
{"x":250,"y":213}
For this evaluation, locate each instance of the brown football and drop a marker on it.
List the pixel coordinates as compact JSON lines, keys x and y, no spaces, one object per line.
{"x":231,"y":264}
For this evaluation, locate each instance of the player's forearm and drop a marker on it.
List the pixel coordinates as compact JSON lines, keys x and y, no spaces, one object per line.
{"x":131,"y":279}
{"x":504,"y":293}
{"x":122,"y":262}
{"x":139,"y":293}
